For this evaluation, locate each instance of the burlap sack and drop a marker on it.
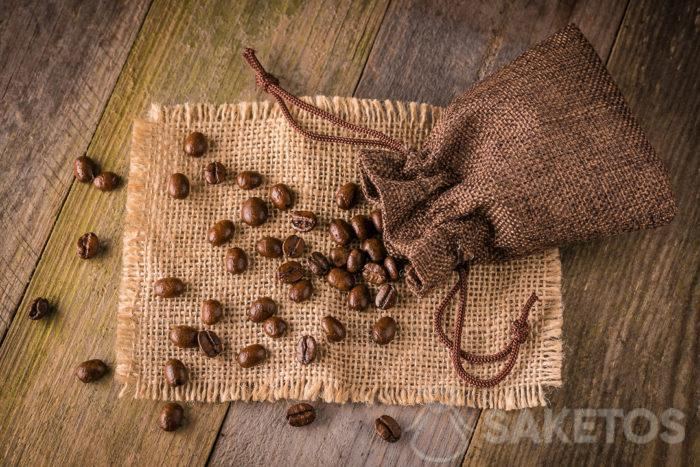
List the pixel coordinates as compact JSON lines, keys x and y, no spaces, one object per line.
{"x":166,"y":237}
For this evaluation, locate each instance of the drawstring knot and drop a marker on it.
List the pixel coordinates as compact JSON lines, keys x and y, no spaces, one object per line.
{"x":519,"y":331}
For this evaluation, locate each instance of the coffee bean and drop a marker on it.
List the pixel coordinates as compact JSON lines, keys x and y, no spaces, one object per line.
{"x":275,"y":327}
{"x":374,"y":249}
{"x":195,"y":144}
{"x":319,"y":264}
{"x":88,"y":245}
{"x":301,"y":414}
{"x":304,"y":221}
{"x":106,"y":181}
{"x":356,"y":260}
{"x":377,"y":220}
{"x":392,"y":268}
{"x":209,"y":343}
{"x":339,"y":256}
{"x":171,"y":416}
{"x":294,"y":246}
{"x":387,"y":428}
{"x":252,"y":355}
{"x":340,"y":232}
{"x":221,"y":232}
{"x":374,"y":274}
{"x":346,"y":196}
{"x":184,"y":337}
{"x":386,"y":297}
{"x":281,"y":196}
{"x":359,"y":297}
{"x":340,"y":279}
{"x":362,"y":226}
{"x":91,"y":370}
{"x":254,"y":212}
{"x":301,"y":291}
{"x":212,"y":311}
{"x":39,"y":308}
{"x":84,"y":169}
{"x":178,"y":186}
{"x":175,"y":372}
{"x":334,"y":329}
{"x":261,"y":309}
{"x":306,"y":350}
{"x":168,"y":287}
{"x":215,"y":173}
{"x":384,"y":330}
{"x":236,"y":260}
{"x":269,"y":247}
{"x":290,"y":272}
{"x":248,"y":179}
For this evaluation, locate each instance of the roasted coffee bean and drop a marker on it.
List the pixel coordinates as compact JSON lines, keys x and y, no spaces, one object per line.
{"x":275,"y":327}
{"x":346,"y":196}
{"x":252,"y":355}
{"x":374,"y":273}
{"x":168,"y":287}
{"x":301,"y":291}
{"x":269,"y":247}
{"x":377,"y":220}
{"x":212,"y":311}
{"x":339,"y":256}
{"x":359,"y":297}
{"x":261,"y":309}
{"x":215,"y":173}
{"x":91,"y":370}
{"x":340,"y":232}
{"x":171,"y":416}
{"x":387,"y":428}
{"x":221,"y":232}
{"x":184,"y":337}
{"x":236,"y":260}
{"x":290,"y":272}
{"x":362,"y":226}
{"x":356,"y":260}
{"x":254,"y":212}
{"x":178,"y":186}
{"x":306,"y":350}
{"x":281,"y":196}
{"x":334,"y":329}
{"x":88,"y":245}
{"x":84,"y":169}
{"x":175,"y":372}
{"x":384,"y":330}
{"x":209,"y":343}
{"x":392,"y":268}
{"x":248,"y":179}
{"x":386,"y":297}
{"x":319,"y":264}
{"x":294,"y":246}
{"x":301,"y":414}
{"x":303,"y":221}
{"x":374,"y":249}
{"x":340,"y":279}
{"x":195,"y":144}
{"x":39,"y":308}
{"x":106,"y":181}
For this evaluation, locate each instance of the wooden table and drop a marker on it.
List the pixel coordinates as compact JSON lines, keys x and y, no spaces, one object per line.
{"x":74,"y":75}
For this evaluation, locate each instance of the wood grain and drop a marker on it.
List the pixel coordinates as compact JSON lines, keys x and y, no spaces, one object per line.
{"x":186,"y":51}
{"x":632,"y":303}
{"x":59,"y":62}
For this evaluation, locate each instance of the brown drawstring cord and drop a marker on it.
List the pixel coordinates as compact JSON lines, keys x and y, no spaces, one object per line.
{"x":270,"y":84}
{"x":519,"y":332}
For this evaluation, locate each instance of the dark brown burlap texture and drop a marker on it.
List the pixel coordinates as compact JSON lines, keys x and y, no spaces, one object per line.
{"x":541,"y":154}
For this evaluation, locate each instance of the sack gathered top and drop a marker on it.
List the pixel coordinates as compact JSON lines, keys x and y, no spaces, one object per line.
{"x":543,"y":153}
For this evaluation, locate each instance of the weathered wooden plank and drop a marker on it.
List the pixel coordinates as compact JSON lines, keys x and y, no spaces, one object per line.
{"x":414,"y":58}
{"x":186,"y":51}
{"x":632,"y":303}
{"x":59,"y":62}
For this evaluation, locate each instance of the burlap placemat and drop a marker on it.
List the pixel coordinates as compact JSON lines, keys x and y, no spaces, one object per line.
{"x":166,"y":237}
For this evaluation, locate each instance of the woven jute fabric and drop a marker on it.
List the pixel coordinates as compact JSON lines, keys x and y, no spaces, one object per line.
{"x":166,"y":237}
{"x":543,"y":153}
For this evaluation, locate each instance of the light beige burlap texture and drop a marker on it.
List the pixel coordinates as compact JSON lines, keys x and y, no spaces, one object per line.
{"x":166,"y":237}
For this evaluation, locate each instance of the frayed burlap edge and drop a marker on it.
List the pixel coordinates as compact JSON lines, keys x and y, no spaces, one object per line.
{"x":505,"y":397}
